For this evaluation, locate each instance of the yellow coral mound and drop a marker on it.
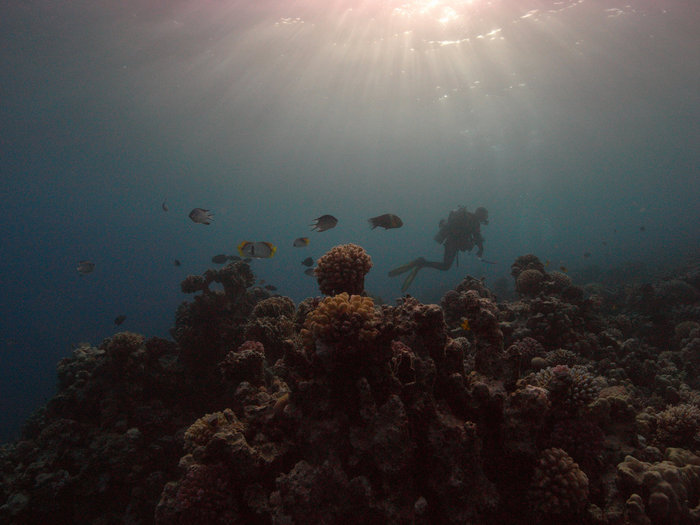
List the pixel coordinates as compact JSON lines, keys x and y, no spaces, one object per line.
{"x":343,"y":269}
{"x":202,"y":430}
{"x":340,"y":320}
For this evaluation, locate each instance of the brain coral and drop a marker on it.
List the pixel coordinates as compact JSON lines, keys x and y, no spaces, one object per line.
{"x":559,"y":486}
{"x":559,"y":279}
{"x":342,"y":322}
{"x":343,"y":269}
{"x":526,"y":262}
{"x":529,"y":282}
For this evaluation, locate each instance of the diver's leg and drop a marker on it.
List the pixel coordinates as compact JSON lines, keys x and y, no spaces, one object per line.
{"x":447,"y":259}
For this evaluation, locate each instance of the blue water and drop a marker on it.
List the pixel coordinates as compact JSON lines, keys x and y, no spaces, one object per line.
{"x":574,"y":123}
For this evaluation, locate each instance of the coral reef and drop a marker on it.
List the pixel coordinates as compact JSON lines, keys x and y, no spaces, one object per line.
{"x":569,"y":404}
{"x":343,"y":269}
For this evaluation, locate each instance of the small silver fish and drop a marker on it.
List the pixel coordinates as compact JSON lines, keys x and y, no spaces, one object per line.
{"x":164,"y":206}
{"x":85,"y":267}
{"x":323,"y":223}
{"x":201,"y":216}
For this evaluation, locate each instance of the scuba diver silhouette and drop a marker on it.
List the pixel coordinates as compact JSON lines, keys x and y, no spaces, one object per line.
{"x":460,"y":232}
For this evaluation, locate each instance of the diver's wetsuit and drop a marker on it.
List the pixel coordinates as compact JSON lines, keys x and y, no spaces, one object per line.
{"x":461,"y":232}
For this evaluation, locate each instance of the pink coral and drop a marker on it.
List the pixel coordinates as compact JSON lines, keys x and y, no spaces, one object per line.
{"x":343,"y":269}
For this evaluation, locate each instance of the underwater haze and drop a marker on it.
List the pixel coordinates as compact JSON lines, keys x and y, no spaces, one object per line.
{"x":575,"y":123}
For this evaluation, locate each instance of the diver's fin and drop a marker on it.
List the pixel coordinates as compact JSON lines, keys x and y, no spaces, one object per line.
{"x":409,"y":279}
{"x":402,"y":269}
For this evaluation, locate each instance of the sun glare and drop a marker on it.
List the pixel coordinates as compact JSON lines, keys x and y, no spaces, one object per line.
{"x":442,"y":11}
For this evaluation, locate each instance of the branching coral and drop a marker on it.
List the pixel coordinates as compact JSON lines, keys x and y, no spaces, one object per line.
{"x":559,"y":486}
{"x":678,"y":426}
{"x":343,"y":269}
{"x":341,"y":324}
{"x":201,"y":431}
{"x":570,"y":388}
{"x":271,"y":323}
{"x":247,"y":363}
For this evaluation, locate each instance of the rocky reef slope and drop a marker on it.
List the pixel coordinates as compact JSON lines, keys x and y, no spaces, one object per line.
{"x":570,"y":404}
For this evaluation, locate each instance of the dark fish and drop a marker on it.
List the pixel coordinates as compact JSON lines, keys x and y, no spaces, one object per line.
{"x":234,"y":258}
{"x":164,"y":206}
{"x":386,"y":221}
{"x":300,"y":242}
{"x":85,"y":267}
{"x":309,"y":271}
{"x":323,"y":223}
{"x":270,"y":287}
{"x":201,"y":216}
{"x":605,"y":243}
{"x":247,"y":260}
{"x":642,"y":229}
{"x":176,"y":262}
{"x":308,"y":261}
{"x":119,"y":319}
{"x":563,"y":269}
{"x":586,"y":255}
{"x":219,"y":259}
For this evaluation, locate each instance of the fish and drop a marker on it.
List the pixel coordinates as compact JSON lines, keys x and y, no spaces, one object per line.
{"x":642,"y":229}
{"x":234,"y":258}
{"x":219,"y":259}
{"x":546,"y":263}
{"x":164,"y":206}
{"x":85,"y":267}
{"x":605,"y":243}
{"x":119,"y":319}
{"x":247,"y":260}
{"x":300,"y":242}
{"x":464,"y":325}
{"x":323,"y":223}
{"x":176,"y":262}
{"x":586,"y":255}
{"x":309,"y":261}
{"x":386,"y":221}
{"x":309,"y":271}
{"x":258,"y":250}
{"x":270,"y":287}
{"x":201,"y":216}
{"x":564,"y":269}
